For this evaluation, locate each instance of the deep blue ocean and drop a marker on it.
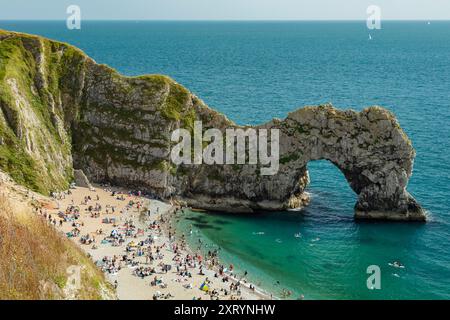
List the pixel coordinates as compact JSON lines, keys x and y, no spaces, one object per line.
{"x":253,"y":71}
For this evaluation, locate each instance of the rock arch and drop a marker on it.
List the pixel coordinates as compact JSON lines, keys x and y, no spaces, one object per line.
{"x":368,"y":147}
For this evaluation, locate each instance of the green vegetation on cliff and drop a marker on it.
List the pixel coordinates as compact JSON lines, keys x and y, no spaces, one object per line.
{"x":49,"y":94}
{"x":29,"y":138}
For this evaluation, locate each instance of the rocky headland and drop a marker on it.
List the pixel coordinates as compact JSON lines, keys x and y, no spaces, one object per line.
{"x":61,"y":110}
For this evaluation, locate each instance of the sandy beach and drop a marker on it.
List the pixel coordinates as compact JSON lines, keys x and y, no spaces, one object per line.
{"x":132,"y":239}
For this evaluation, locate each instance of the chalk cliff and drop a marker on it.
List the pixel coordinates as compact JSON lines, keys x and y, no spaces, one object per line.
{"x":61,"y":110}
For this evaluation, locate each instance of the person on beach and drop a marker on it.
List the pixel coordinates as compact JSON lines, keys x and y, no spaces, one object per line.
{"x":141,"y":247}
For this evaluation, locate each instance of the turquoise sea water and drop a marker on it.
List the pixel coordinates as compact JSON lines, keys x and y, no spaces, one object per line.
{"x":253,"y":71}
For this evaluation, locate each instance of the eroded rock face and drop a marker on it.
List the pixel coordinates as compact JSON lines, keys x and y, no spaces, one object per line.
{"x":120,"y":128}
{"x":80,"y":179}
{"x":369,"y":148}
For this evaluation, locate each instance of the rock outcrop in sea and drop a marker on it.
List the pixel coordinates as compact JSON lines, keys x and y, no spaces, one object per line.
{"x":61,"y":110}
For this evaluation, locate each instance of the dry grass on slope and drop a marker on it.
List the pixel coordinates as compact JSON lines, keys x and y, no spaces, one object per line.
{"x":35,"y":259}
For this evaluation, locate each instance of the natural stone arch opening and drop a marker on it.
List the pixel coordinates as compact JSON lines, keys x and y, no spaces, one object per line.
{"x":326,"y":180}
{"x":368,"y":147}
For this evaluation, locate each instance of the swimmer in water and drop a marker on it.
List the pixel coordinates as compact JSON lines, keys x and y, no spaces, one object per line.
{"x":397,"y":264}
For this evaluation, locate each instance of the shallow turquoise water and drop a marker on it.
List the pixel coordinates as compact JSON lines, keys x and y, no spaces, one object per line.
{"x":259,"y":70}
{"x":329,"y":259}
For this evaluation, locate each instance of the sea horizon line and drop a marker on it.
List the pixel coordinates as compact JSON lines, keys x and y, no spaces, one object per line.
{"x":226,"y":20}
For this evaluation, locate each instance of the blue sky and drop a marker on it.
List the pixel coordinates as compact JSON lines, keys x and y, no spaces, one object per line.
{"x":225,"y":9}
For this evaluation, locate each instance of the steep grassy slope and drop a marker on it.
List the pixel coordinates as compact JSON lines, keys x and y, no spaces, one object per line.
{"x":57,"y":104}
{"x":36,"y":261}
{"x":34,"y":148}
